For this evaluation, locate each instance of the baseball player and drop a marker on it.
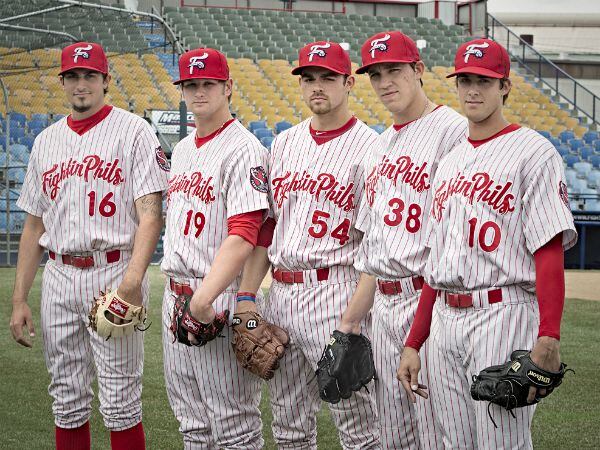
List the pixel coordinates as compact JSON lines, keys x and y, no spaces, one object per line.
{"x":316,"y":184}
{"x":93,"y":197}
{"x":394,"y":219}
{"x":500,"y":223}
{"x":216,"y":199}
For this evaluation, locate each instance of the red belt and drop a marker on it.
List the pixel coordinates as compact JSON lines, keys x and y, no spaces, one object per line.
{"x":395,"y":287}
{"x":284,"y":276}
{"x":83,"y":262}
{"x":466,"y":300}
{"x":180,"y":288}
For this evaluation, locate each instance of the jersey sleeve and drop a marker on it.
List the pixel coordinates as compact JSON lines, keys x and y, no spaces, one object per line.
{"x":245,"y":180}
{"x":31,"y":197}
{"x":367,"y":198}
{"x":150,"y":166}
{"x":546,"y":210}
{"x":454,"y":134}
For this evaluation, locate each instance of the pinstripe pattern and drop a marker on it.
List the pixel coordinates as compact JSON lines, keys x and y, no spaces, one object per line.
{"x":75,"y":354}
{"x":534,"y":170}
{"x":214,"y":399}
{"x":402,"y":425}
{"x":462,"y":343}
{"x":310,"y":312}
{"x":392,"y":252}
{"x":213,"y":180}
{"x":295,"y":152}
{"x":116,"y":159}
{"x":124,"y":146}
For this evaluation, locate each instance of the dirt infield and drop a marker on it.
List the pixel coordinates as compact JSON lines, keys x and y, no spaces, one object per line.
{"x":583,"y":284}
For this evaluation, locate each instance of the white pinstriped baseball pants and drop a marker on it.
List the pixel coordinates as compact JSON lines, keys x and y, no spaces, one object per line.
{"x":75,"y":354}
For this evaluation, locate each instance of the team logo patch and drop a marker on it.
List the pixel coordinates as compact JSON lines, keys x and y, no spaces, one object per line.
{"x":118,"y":308}
{"x":258,"y":179}
{"x":162,"y":160}
{"x":475,"y":50}
{"x":563,"y":193}
{"x":379,"y":44}
{"x":81,"y":51}
{"x":251,"y":324}
{"x":197,"y":61}
{"x":318,"y":50}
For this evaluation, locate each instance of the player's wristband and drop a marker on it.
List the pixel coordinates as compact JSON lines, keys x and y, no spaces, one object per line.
{"x":245,"y":296}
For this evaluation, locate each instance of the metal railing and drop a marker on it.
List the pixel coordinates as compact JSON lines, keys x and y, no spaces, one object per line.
{"x":549,"y":74}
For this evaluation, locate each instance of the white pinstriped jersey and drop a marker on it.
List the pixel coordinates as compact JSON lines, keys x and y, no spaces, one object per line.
{"x":398,"y":193}
{"x":224,"y":177}
{"x":493,"y":207}
{"x":84,"y":187}
{"x":315,"y":194}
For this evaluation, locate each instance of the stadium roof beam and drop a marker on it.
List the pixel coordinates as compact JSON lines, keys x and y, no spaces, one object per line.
{"x":37,"y":30}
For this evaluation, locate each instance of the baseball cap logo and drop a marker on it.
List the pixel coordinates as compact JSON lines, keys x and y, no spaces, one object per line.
{"x":319,"y":50}
{"x":475,"y":50}
{"x":81,"y":51}
{"x":379,"y":44}
{"x":196,"y":61}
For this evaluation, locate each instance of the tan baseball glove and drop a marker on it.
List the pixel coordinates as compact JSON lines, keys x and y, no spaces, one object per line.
{"x":258,"y":344}
{"x":111,"y":316}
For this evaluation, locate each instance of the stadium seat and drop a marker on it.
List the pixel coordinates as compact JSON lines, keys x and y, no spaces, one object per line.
{"x":263,"y":132}
{"x":39,"y":117}
{"x":379,"y":128}
{"x":555,"y":141}
{"x":267,"y":141}
{"x":579,"y":185}
{"x":590,"y":136}
{"x":282,"y":126}
{"x":595,"y":160}
{"x":575,"y":144}
{"x":27,"y":141}
{"x":571,"y":176}
{"x":586,"y":151}
{"x":591,"y":205}
{"x":583,"y":168}
{"x":566,"y":136}
{"x":593,"y":179}
{"x":16,"y":174}
{"x":18,"y":118}
{"x":570,"y":159}
{"x":257,"y":124}
{"x":544,"y":133}
{"x":19,"y":152}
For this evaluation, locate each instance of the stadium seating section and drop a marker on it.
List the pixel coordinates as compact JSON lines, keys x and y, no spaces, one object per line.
{"x":262,"y":46}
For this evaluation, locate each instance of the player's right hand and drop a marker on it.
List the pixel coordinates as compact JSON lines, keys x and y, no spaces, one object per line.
{"x":408,"y":374}
{"x":20,"y":318}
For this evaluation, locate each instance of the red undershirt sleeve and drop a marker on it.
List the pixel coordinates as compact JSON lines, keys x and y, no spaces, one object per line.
{"x":265,"y":236}
{"x":246,"y":225}
{"x":550,"y":285}
{"x":419,"y":331}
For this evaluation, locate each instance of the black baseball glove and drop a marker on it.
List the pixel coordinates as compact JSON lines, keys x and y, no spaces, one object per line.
{"x":346,"y":366}
{"x":508,"y":384}
{"x":182,"y":323}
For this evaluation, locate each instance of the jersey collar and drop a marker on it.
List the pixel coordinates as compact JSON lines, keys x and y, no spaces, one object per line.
{"x":508,"y":129}
{"x":81,"y":126}
{"x":320,"y":137}
{"x":200,"y":141}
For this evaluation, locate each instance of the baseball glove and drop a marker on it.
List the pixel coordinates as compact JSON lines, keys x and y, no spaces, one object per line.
{"x":346,"y":366}
{"x":182,"y":323}
{"x":258,"y":344}
{"x":508,"y":384}
{"x":110,"y":307}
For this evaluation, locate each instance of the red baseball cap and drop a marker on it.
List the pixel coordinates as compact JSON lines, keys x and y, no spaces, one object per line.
{"x":83,"y":55}
{"x":388,"y":47}
{"x":203,"y":63}
{"x":482,"y":57}
{"x":329,"y":55}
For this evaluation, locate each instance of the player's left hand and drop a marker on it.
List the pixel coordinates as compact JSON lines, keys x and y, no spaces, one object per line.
{"x":408,"y":374}
{"x":545,"y":355}
{"x":202,"y":312}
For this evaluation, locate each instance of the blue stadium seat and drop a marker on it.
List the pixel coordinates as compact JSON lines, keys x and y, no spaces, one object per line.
{"x":576,"y":143}
{"x":563,"y":149}
{"x":27,"y":141}
{"x":257,"y":124}
{"x":16,"y":134}
{"x":578,"y":186}
{"x":40,"y":117}
{"x":566,"y":136}
{"x":590,"y":137}
{"x":596,"y":145}
{"x":37,"y":125}
{"x":583,"y":168}
{"x":595,"y":160}
{"x":586,"y":151}
{"x":2,"y":160}
{"x":17,"y":174}
{"x":19,"y":152}
{"x":262,"y":133}
{"x":591,"y":205}
{"x":57,"y":117}
{"x":267,"y":141}
{"x":378,"y":128}
{"x":571,"y":176}
{"x":18,"y":118}
{"x":570,"y":160}
{"x":544,"y":133}
{"x":282,"y":126}
{"x":555,"y":141}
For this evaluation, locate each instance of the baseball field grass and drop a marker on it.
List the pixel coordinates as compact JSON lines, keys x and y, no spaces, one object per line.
{"x":568,"y":419}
